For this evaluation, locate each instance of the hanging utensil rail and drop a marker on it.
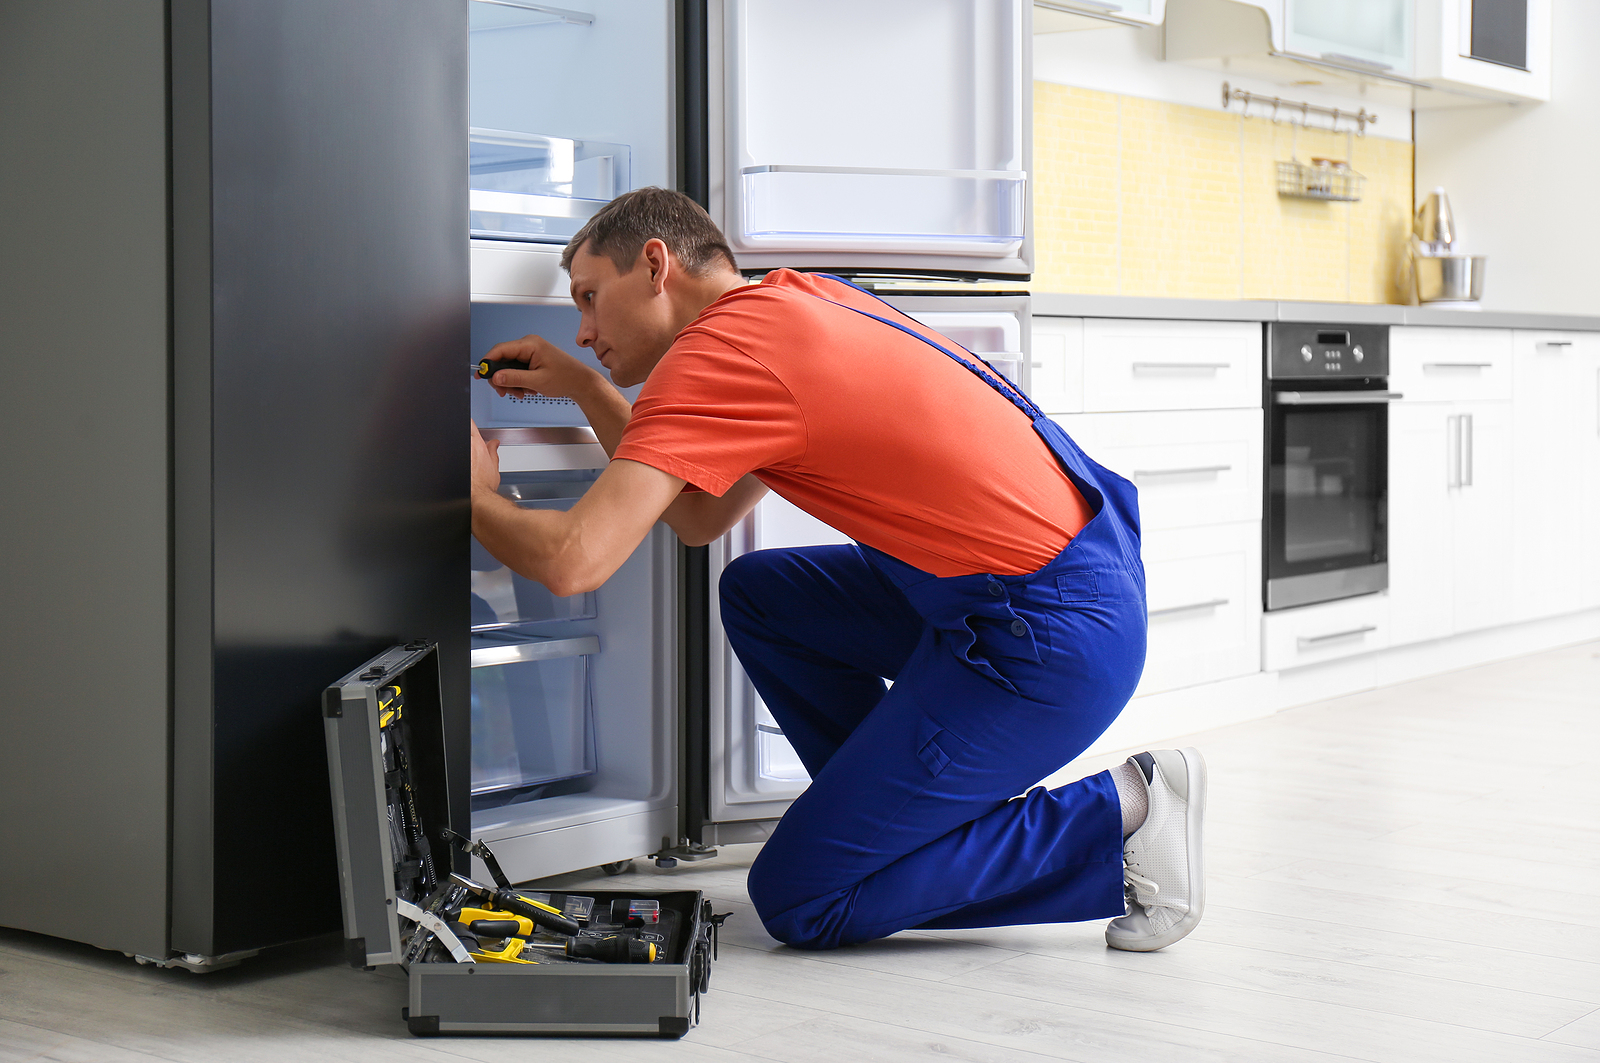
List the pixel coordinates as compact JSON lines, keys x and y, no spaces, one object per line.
{"x":1291,"y":108}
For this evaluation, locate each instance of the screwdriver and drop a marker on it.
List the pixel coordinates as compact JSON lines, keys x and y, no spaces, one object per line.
{"x":487,"y":368}
{"x":616,"y":948}
{"x":508,"y":901}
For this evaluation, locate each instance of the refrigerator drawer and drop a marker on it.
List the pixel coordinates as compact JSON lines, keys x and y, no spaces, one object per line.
{"x":532,"y":715}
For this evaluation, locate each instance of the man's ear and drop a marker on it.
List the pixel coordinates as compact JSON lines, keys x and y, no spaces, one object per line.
{"x":659,"y":260}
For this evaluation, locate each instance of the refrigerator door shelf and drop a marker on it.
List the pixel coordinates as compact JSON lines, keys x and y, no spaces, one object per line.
{"x":894,"y":135}
{"x":547,"y":449}
{"x":959,"y":212}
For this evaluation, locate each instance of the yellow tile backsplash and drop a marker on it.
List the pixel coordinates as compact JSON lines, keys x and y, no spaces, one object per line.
{"x":1138,"y":197}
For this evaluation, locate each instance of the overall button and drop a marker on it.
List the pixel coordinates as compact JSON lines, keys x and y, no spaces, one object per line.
{"x":1018,"y":628}
{"x":995,"y":588}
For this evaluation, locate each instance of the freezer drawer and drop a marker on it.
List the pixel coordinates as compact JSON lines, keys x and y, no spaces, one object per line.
{"x":532,"y":713}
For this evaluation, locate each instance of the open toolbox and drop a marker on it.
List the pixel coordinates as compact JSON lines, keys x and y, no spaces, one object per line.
{"x":485,"y":957}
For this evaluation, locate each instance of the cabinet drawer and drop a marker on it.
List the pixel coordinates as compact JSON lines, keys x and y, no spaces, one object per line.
{"x":1170,"y":365}
{"x":1191,"y":466}
{"x":1324,"y":632}
{"x":1057,"y":379}
{"x":1449,"y":364}
{"x":1204,"y":590}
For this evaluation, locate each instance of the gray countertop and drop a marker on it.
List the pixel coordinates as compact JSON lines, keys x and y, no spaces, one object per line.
{"x":1052,"y":304}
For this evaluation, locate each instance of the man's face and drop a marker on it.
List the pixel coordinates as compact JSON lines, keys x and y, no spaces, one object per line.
{"x":627,"y":319}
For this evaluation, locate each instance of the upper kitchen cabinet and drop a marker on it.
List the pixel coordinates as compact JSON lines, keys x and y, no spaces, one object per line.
{"x":1363,"y":47}
{"x":1483,"y":50}
{"x":890,"y":137}
{"x":1058,"y":16}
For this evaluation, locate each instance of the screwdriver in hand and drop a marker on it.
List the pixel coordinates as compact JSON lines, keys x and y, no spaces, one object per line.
{"x":487,"y":368}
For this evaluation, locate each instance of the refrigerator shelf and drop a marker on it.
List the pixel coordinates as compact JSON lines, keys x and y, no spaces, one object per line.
{"x":535,"y":188}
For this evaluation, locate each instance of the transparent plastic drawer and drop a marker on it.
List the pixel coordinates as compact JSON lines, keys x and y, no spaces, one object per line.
{"x":524,"y":186}
{"x":889,"y":208}
{"x":502,"y":599}
{"x":532,"y":714}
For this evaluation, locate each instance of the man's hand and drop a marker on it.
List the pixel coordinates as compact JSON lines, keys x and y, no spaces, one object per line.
{"x":485,"y":463}
{"x":551,"y":371}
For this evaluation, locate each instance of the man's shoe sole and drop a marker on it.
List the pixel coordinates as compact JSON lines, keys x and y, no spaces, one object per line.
{"x":1194,"y":816}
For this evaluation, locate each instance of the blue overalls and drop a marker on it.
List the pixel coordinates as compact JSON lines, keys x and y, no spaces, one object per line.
{"x":913,"y":817}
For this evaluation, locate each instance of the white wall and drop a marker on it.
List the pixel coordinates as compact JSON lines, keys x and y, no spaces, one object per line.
{"x":1128,"y":61}
{"x":1521,"y":179}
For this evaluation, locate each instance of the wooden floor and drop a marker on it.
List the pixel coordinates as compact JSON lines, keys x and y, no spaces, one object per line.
{"x":1410,"y":874}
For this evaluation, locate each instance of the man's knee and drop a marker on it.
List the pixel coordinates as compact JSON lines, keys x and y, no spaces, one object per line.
{"x":798,"y":922}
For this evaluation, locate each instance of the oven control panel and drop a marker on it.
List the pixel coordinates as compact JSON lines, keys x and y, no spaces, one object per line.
{"x":1297,"y":351}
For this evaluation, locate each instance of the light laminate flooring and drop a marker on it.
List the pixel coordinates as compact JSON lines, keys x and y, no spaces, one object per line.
{"x":1409,"y":874}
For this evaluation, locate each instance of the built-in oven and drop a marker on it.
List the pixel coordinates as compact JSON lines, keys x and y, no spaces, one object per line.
{"x":1325,"y":513}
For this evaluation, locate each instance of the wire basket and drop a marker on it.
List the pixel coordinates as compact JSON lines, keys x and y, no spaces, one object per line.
{"x":1319,"y":180}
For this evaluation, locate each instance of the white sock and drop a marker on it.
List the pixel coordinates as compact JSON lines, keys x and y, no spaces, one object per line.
{"x":1134,"y":795}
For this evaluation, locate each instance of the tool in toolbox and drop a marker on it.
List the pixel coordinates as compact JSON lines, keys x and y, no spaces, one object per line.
{"x":466,"y":946}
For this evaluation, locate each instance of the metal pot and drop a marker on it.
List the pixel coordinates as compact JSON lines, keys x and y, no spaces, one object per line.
{"x":1452,"y":278}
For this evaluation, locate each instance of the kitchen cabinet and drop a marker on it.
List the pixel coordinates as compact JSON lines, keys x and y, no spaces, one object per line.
{"x":1428,"y":364}
{"x":1488,"y":49}
{"x":1203,"y":585}
{"x":1450,"y":529}
{"x":1170,"y":365}
{"x":1326,"y":631}
{"x":1556,"y":473}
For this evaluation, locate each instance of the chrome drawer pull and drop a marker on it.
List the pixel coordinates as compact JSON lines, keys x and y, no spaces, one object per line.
{"x":1334,"y":398}
{"x":1313,"y":640}
{"x":1212,"y":604}
{"x":1209,"y":366}
{"x":1555,"y":343}
{"x":1457,"y":365}
{"x":1180,"y":472}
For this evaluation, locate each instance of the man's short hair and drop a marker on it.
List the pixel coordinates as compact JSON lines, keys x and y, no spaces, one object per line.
{"x":622,"y":227}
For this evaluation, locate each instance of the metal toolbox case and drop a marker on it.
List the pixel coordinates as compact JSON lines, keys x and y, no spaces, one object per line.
{"x":387,"y":772}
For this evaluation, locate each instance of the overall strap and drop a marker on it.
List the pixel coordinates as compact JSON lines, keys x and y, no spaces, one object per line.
{"x":1007,"y":389}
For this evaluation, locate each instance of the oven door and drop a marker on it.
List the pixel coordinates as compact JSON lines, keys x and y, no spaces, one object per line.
{"x":1325,"y":535}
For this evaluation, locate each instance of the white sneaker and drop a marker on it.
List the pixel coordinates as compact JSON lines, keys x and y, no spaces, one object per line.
{"x":1163,"y":878}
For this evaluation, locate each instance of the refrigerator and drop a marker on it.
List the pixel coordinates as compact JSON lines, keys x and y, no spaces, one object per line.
{"x":303,"y":223}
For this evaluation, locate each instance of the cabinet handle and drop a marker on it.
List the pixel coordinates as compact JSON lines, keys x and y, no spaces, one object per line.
{"x":1036,"y":365}
{"x":1457,"y":365}
{"x":1212,"y":604}
{"x":1466,"y":450}
{"x":1334,"y":398}
{"x":1208,"y":366}
{"x":1555,"y":343}
{"x":1306,"y":641}
{"x":1453,"y":453}
{"x":1180,"y":472}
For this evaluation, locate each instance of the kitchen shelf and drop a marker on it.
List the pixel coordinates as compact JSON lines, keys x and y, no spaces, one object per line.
{"x":1298,"y":180}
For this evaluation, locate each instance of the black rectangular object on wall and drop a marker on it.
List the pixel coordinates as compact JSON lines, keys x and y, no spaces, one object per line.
{"x":1500,"y":32}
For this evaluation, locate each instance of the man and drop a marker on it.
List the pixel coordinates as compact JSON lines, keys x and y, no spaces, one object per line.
{"x":995,"y":580}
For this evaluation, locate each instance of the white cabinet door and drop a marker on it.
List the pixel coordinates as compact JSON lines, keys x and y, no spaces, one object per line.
{"x":1490,"y":48}
{"x":1587,"y":470}
{"x":1429,"y":364}
{"x":1058,"y":364}
{"x":1548,"y":448}
{"x":1374,"y":33}
{"x":1421,"y":559}
{"x":1311,"y":634}
{"x":1204,"y":590}
{"x":1171,"y":365}
{"x":874,"y":133}
{"x":1482,"y":534}
{"x":1191,"y":466}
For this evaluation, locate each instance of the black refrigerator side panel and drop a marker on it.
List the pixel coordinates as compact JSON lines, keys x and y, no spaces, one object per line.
{"x":83,"y":434}
{"x":338,"y":384}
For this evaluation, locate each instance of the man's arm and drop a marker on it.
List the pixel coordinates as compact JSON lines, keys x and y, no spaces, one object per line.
{"x":554,"y":373}
{"x":577,"y":550}
{"x":700,"y":517}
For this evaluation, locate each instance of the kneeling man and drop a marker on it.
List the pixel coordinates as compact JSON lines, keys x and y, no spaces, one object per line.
{"x":994,"y":582}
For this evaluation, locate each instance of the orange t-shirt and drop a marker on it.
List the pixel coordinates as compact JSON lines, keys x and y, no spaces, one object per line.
{"x":866,"y":428}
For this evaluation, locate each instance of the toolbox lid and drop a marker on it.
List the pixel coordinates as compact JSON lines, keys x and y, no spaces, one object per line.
{"x":384,"y":725}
